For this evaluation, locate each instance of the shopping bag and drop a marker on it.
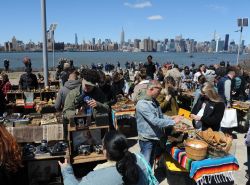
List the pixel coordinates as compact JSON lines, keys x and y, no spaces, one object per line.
{"x":247,"y":138}
{"x":229,"y":119}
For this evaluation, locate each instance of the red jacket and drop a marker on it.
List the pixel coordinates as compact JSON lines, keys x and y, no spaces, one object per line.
{"x":6,"y":88}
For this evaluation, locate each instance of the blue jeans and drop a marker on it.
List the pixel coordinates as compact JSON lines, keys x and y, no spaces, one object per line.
{"x":148,"y":150}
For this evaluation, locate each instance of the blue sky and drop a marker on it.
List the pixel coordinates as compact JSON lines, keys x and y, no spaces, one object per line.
{"x":157,"y":19}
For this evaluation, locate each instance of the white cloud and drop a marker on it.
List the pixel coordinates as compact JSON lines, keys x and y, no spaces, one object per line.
{"x":218,"y":8}
{"x":138,"y":5}
{"x":155,"y":17}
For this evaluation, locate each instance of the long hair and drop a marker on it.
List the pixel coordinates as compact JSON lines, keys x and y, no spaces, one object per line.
{"x":117,"y":150}
{"x":209,"y":90}
{"x":5,"y":77}
{"x":10,"y":154}
{"x":170,"y":81}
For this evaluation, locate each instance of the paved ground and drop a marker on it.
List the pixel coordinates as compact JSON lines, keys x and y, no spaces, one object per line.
{"x":238,"y":148}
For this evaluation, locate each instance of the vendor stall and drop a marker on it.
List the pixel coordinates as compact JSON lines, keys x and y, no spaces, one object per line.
{"x":123,"y":117}
{"x":204,"y":155}
{"x":242,"y":109}
{"x":205,"y":171}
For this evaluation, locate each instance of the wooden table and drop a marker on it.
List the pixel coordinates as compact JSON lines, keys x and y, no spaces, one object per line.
{"x":240,"y":105}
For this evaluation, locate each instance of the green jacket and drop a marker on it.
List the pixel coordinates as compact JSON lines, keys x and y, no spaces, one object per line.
{"x":74,"y":100}
{"x":170,"y":107}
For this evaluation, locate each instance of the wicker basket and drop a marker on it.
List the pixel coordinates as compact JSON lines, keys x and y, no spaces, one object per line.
{"x":196,"y":149}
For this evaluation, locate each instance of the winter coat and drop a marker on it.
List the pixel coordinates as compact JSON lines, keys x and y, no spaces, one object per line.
{"x":105,"y":176}
{"x":213,"y":113}
{"x":63,"y":92}
{"x":75,"y":100}
{"x":170,"y":107}
{"x":28,"y":81}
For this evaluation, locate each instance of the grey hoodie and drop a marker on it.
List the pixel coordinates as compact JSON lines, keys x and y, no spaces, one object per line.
{"x":63,"y":92}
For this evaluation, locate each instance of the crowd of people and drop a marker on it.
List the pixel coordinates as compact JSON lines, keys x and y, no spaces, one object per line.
{"x":154,"y":89}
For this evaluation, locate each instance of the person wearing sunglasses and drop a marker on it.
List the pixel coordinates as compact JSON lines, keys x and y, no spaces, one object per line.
{"x":151,"y":121}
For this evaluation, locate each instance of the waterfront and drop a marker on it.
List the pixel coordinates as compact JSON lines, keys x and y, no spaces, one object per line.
{"x":112,"y":57}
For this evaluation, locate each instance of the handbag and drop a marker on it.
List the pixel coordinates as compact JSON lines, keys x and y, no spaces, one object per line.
{"x":229,"y":119}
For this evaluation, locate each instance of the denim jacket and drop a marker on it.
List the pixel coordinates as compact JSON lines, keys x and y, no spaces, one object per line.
{"x":150,"y":120}
{"x":105,"y":176}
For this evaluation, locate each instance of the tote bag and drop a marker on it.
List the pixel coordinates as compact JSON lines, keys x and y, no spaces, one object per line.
{"x":229,"y":119}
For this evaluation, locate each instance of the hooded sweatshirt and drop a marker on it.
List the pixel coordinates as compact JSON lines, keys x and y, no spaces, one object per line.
{"x":63,"y":92}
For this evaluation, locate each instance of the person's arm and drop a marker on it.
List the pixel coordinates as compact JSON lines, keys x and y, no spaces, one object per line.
{"x":58,"y":103}
{"x":196,"y":96}
{"x":67,"y":173}
{"x":35,"y":81}
{"x":100,"y":107}
{"x":21,"y":82}
{"x":146,"y":111}
{"x":68,"y":176}
{"x":228,"y":92}
{"x":164,"y":101}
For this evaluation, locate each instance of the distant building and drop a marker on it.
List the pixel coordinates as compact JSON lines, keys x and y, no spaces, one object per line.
{"x":14,"y":44}
{"x":145,"y":43}
{"x":8,"y":46}
{"x":141,"y":46}
{"x":122,"y":38}
{"x":76,"y":39}
{"x":190,"y":45}
{"x":99,"y":41}
{"x":171,"y":45}
{"x":150,"y":44}
{"x":232,"y":47}
{"x":137,"y":43}
{"x":93,"y":41}
{"x":165,"y":41}
{"x":221,"y":45}
{"x":212,"y":47}
{"x":226,"y":42}
{"x":159,"y":47}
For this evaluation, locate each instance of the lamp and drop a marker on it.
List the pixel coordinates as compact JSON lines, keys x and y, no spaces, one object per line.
{"x":242,"y":22}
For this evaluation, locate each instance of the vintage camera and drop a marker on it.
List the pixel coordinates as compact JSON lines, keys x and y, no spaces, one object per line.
{"x":98,"y":149}
{"x":44,"y":146}
{"x":84,"y":149}
{"x":59,"y":148}
{"x":80,"y":121}
{"x":28,"y":151}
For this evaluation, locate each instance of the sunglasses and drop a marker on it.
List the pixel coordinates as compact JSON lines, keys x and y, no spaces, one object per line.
{"x":159,"y":88}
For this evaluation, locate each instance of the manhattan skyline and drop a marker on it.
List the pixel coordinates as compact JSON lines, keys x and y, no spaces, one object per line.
{"x":139,"y":19}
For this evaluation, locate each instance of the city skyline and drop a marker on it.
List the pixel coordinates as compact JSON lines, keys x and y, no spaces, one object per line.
{"x":139,"y":19}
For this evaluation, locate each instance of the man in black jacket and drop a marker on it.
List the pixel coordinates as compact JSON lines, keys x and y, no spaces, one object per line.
{"x":150,"y":68}
{"x":28,"y":80}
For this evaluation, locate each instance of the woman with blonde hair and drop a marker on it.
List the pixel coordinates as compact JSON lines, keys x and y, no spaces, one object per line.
{"x":10,"y":158}
{"x":209,"y":109}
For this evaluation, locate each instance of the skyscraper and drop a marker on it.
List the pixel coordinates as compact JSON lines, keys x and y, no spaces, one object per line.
{"x":226,"y":42}
{"x":76,"y":39}
{"x":137,"y":43}
{"x":122,"y":37}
